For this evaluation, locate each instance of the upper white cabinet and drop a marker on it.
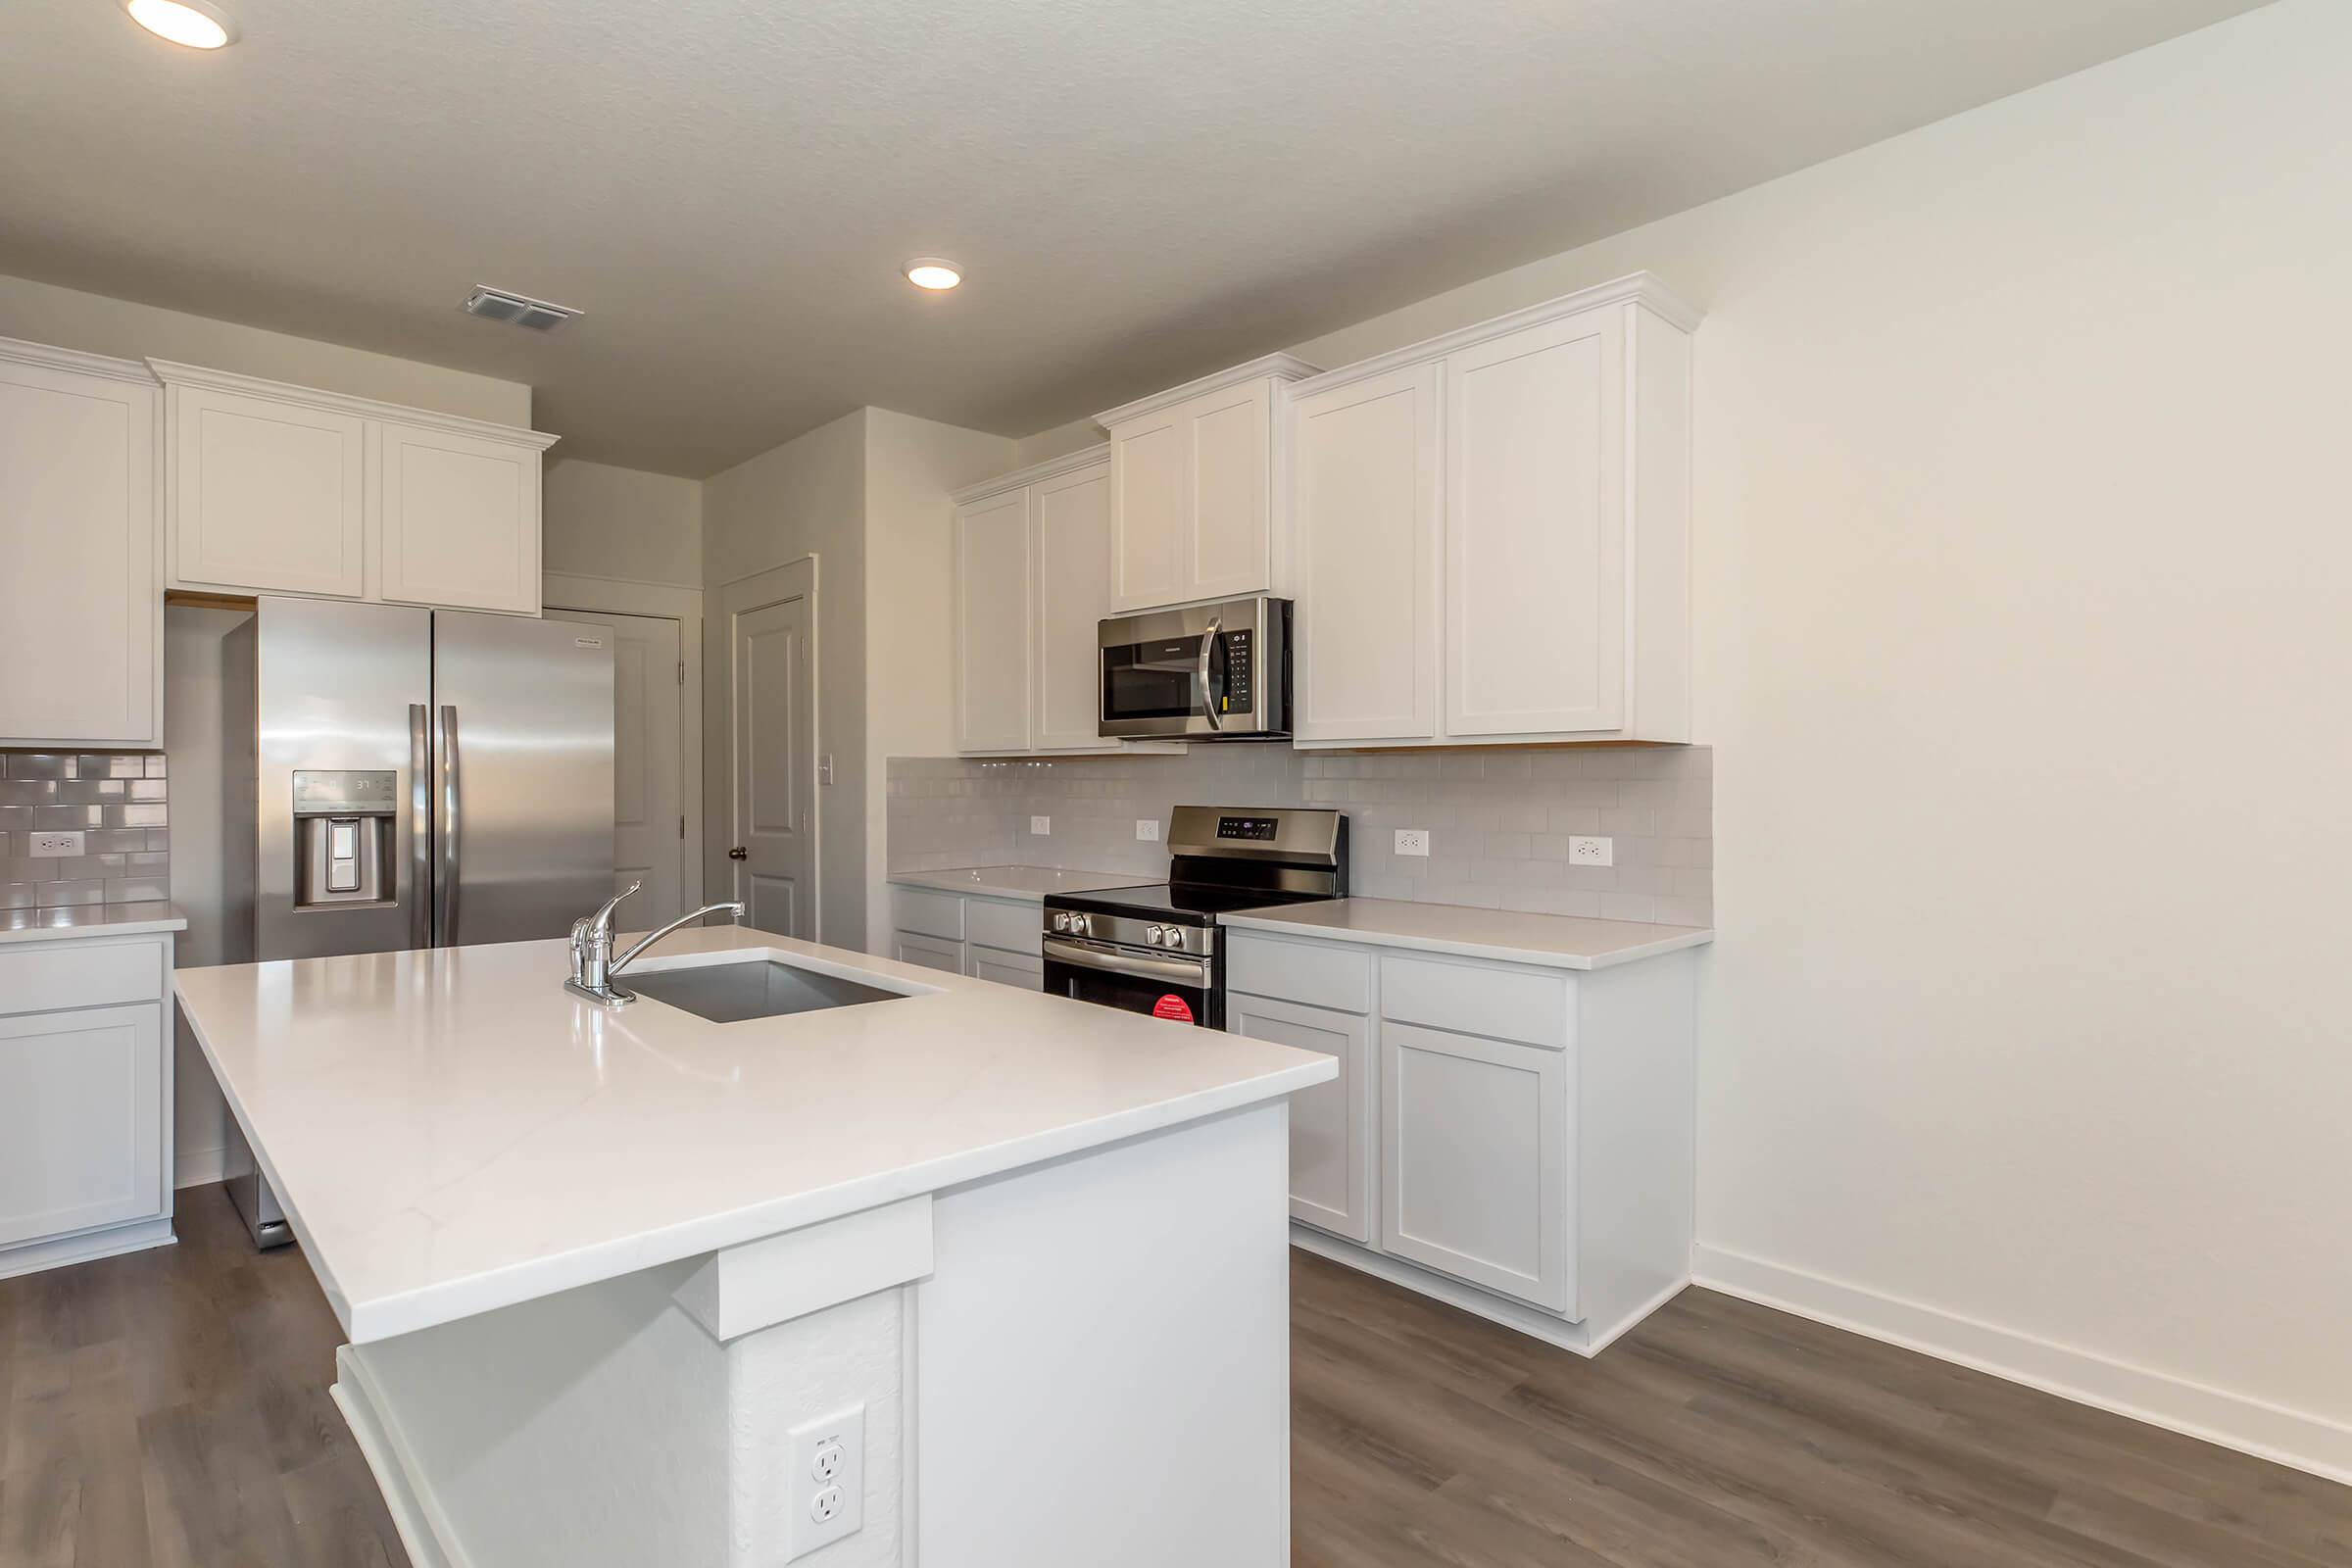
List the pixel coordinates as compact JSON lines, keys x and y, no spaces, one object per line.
{"x":271,"y":488}
{"x":1033,"y":565}
{"x":1193,"y":480}
{"x":1491,"y":532}
{"x":459,"y":519}
{"x":80,"y":598}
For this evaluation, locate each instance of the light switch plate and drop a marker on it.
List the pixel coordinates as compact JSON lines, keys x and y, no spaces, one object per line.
{"x":1591,"y":852}
{"x":1042,"y":826}
{"x":1147,"y":830}
{"x":54,"y":845}
{"x":1412,"y":841}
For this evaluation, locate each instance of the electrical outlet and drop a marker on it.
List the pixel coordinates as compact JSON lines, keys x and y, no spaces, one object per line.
{"x":1147,"y":830}
{"x":1412,"y":841}
{"x":1591,"y":852}
{"x":55,"y":846}
{"x":828,"y":1481}
{"x":1042,"y":826}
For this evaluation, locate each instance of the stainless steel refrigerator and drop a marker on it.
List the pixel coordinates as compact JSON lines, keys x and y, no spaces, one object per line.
{"x":399,"y":777}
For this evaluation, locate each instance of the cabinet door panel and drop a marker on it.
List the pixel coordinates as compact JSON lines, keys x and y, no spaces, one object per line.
{"x":266,"y":496}
{"x":993,"y":623}
{"x":1366,"y":522}
{"x":932,"y":953}
{"x":1150,"y":476}
{"x":1534,"y":526}
{"x":459,"y":520}
{"x":80,"y":606}
{"x":1331,"y":1124}
{"x":82,"y":1133}
{"x":1016,"y":969}
{"x":1226,"y":553}
{"x":1474,"y":1161}
{"x":1073,"y":595}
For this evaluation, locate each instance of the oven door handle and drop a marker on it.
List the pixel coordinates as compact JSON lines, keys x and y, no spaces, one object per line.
{"x":1098,"y":956}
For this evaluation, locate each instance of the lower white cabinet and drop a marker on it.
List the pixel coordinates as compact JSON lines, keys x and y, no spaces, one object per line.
{"x":968,"y":934}
{"x":1474,"y":1161}
{"x":1512,"y":1138}
{"x":1331,"y":1124}
{"x":85,"y":1097}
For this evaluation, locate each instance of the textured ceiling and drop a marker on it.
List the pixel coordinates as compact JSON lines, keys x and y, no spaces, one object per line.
{"x":1139,"y":193}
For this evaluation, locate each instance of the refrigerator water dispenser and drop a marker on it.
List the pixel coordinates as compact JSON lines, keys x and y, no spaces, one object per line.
{"x":343,"y":835}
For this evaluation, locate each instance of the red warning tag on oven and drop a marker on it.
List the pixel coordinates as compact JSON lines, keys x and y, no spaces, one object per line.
{"x":1173,"y":1006}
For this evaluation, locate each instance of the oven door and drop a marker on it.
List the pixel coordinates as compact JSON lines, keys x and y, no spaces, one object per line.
{"x":1157,"y":985}
{"x":1205,"y":672}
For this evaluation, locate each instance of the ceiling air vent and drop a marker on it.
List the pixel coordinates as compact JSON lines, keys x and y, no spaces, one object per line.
{"x":519,"y":309}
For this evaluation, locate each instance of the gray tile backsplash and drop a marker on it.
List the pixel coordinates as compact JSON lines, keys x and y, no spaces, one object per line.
{"x":1498,"y":819}
{"x":116,"y":801}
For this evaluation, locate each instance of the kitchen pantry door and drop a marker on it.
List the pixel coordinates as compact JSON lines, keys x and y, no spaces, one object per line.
{"x":771,"y":691}
{"x":648,"y":823}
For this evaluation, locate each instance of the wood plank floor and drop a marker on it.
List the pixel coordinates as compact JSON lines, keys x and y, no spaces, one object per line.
{"x":170,"y":1408}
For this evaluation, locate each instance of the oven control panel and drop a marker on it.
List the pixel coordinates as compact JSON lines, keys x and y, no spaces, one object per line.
{"x":1249,"y":829}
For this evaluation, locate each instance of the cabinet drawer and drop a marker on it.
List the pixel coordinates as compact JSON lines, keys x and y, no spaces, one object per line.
{"x":1007,"y":928}
{"x":1318,"y":973}
{"x":38,"y":976}
{"x":1508,"y":1004}
{"x":932,"y":914}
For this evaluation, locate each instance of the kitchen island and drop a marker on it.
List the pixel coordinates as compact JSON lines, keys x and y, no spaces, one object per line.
{"x":958,"y":1273}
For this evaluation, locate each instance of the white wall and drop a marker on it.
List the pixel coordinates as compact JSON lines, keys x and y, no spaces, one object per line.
{"x":2022,"y":466}
{"x":598,"y":520}
{"x":94,"y":323}
{"x":911,"y":467}
{"x":804,"y":498}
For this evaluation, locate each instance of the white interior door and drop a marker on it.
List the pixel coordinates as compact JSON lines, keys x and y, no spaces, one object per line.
{"x":771,"y":671}
{"x":649,"y":824}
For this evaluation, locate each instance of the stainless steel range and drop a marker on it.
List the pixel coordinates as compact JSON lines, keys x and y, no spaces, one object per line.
{"x":1156,"y":949}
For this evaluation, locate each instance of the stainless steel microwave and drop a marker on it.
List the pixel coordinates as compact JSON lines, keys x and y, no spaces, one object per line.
{"x":1205,"y":672}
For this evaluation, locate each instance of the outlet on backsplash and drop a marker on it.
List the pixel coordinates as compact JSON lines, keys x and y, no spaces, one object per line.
{"x":79,"y":830}
{"x":1412,"y":841}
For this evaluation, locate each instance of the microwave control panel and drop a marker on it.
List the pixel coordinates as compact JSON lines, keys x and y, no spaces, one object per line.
{"x":1237,"y":645}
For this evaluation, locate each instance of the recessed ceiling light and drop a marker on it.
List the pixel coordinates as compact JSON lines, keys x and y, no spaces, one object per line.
{"x":192,"y":23}
{"x":930,"y":271}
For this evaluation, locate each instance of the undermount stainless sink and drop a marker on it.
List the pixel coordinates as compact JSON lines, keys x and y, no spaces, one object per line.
{"x":759,"y":988}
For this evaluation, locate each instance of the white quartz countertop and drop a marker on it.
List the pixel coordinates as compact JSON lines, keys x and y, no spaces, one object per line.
{"x":451,"y":1132}
{"x":89,"y":920}
{"x":1028,"y":883}
{"x":1557,"y":941}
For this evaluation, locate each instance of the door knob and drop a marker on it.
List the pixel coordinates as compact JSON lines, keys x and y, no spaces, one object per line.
{"x":739,"y":852}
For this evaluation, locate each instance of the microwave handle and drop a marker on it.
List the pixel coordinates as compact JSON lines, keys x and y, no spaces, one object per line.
{"x":1209,"y":649}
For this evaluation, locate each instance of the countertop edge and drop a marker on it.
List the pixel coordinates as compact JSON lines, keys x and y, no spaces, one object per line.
{"x":940,"y":882}
{"x":1682,"y":938}
{"x":145,"y":925}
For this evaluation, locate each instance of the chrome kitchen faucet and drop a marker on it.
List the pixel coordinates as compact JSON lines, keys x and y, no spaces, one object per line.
{"x":593,"y":965}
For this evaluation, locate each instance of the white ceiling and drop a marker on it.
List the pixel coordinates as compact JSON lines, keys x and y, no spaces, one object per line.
{"x":1138,"y":192}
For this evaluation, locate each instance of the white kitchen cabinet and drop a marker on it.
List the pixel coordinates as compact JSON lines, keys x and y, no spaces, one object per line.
{"x":1194,"y":478}
{"x":1367,"y":519}
{"x":1551,"y":561}
{"x":80,"y":594}
{"x":1033,"y":560}
{"x":85,"y":1097}
{"x":1515,"y":1139}
{"x":1021,"y":971}
{"x":985,"y":938}
{"x":458,"y":522}
{"x":1331,"y":1124}
{"x":1474,"y":1161}
{"x":271,"y":488}
{"x":994,"y":632}
{"x":932,"y":953}
{"x":265,"y":493}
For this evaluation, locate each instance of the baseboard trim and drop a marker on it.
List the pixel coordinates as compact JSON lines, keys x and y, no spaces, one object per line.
{"x":2267,"y":1431}
{"x":86,"y":1248}
{"x":197,"y":1167}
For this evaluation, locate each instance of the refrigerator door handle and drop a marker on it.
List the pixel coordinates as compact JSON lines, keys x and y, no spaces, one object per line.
{"x":445,"y":886}
{"x":420,"y":828}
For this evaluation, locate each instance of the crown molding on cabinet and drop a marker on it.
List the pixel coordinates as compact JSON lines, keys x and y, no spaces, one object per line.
{"x":1634,"y":288}
{"x":1035,"y":474}
{"x":19,"y":352}
{"x":1278,"y":366}
{"x":172,"y":373}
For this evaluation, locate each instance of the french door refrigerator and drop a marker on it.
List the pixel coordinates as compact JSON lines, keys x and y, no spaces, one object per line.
{"x":399,"y":777}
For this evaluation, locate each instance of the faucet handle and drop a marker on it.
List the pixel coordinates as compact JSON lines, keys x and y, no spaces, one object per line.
{"x":602,"y":919}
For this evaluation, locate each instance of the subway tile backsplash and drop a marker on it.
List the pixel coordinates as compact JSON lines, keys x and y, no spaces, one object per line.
{"x":1498,"y":819}
{"x":116,"y":801}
